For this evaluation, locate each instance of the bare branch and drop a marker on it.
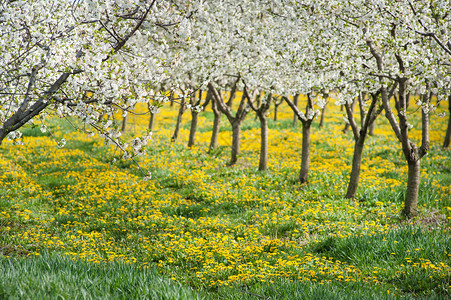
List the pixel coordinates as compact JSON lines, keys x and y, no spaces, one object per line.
{"x":300,"y":116}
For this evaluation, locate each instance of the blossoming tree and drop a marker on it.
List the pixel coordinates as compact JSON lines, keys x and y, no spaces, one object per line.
{"x":380,"y":36}
{"x":88,"y":59}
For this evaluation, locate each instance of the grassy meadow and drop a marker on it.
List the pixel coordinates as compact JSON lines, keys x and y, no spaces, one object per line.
{"x":80,"y":222}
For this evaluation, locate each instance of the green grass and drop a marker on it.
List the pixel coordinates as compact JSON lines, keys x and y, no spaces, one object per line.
{"x":58,"y":277}
{"x":391,"y":257}
{"x":34,"y":131}
{"x":235,"y":216}
{"x":285,"y":289}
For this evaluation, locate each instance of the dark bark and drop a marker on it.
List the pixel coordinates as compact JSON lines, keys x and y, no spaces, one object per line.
{"x":347,"y":125}
{"x":425,"y":126}
{"x":236,"y":142}
{"x":193,"y":128}
{"x":261,"y":111}
{"x":263,"y":163}
{"x":323,"y":110}
{"x":359,"y":138}
{"x":413,"y":161}
{"x":359,"y":141}
{"x":179,"y":121}
{"x":276,"y":108}
{"x":305,"y":158}
{"x":306,"y":131}
{"x":152,"y":117}
{"x":412,"y":153}
{"x":296,"y":103}
{"x":124,"y":123}
{"x":356,"y":167}
{"x":216,"y":126}
{"x":25,"y":113}
{"x":235,"y":120}
{"x":361,"y":99}
{"x":413,"y":183}
{"x":151,"y":121}
{"x":194,"y":116}
{"x":448,"y":130}
{"x":350,"y":118}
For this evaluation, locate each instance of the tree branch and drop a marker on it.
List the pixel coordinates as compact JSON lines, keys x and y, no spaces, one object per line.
{"x":300,"y":116}
{"x":355,"y":129}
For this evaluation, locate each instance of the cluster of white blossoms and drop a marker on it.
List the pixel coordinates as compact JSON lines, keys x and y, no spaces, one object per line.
{"x":84,"y":58}
{"x":92,"y":58}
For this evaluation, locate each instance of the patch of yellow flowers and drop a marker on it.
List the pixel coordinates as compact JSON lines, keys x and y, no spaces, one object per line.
{"x":65,"y":200}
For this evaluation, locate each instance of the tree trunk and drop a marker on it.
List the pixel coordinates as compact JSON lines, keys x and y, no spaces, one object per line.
{"x":361,"y":99}
{"x":261,"y":110}
{"x":124,"y":123}
{"x":448,"y":130}
{"x":179,"y":122}
{"x":276,"y":108}
{"x":193,"y":128}
{"x":359,"y":140}
{"x":23,"y":115}
{"x":372,"y":125}
{"x":305,"y":162}
{"x":413,"y":184}
{"x":236,"y":120}
{"x":347,"y":125}
{"x":296,"y":102}
{"x":411,"y":152}
{"x":263,"y":142}
{"x":323,"y":112}
{"x":216,"y":126}
{"x":236,"y":141}
{"x":151,"y":121}
{"x":356,"y":164}
{"x":413,"y":156}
